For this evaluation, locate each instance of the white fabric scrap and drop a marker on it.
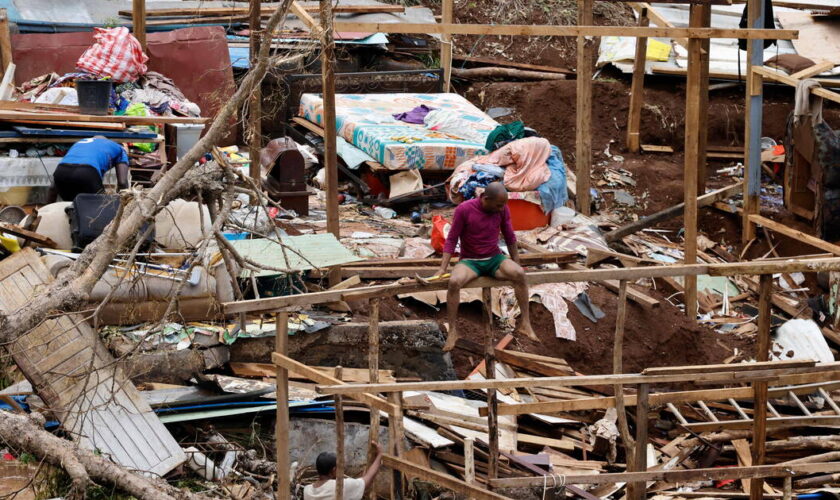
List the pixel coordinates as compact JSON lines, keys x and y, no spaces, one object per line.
{"x":550,"y":295}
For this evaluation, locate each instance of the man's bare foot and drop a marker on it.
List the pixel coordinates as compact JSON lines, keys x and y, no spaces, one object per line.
{"x":451,"y":337}
{"x":525,"y":328}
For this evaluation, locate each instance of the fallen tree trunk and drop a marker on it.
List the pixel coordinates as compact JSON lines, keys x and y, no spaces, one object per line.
{"x":497,"y":72}
{"x":71,"y":290}
{"x":26,"y":434}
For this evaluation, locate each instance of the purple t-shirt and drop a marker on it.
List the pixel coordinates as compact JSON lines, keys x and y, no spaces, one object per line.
{"x":479,"y":231}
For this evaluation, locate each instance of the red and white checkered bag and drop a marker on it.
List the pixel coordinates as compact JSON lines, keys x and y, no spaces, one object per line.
{"x":116,"y":53}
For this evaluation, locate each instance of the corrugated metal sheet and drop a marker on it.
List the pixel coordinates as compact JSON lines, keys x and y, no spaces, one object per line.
{"x":302,"y":254}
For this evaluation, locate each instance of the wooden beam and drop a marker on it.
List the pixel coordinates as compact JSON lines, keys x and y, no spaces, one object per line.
{"x":9,"y":114}
{"x":674,"y":211}
{"x":693,"y":158}
{"x":373,"y":366}
{"x":704,"y":19}
{"x":138,"y":22}
{"x":638,"y":489}
{"x":777,"y":76}
{"x":314,"y":28}
{"x":492,"y":396}
{"x":583,"y":110}
{"x":395,"y":437}
{"x":659,"y":399}
{"x":618,"y":368}
{"x":678,"y":476}
{"x":771,"y":423}
{"x":322,"y":378}
{"x":812,"y":71}
{"x":26,"y":234}
{"x":264,"y":12}
{"x":444,"y":480}
{"x":759,"y":424}
{"x":446,"y":48}
{"x":330,"y":132}
{"x":339,"y":440}
{"x":560,"y":30}
{"x":535,"y":278}
{"x":281,"y":426}
{"x":762,"y":365}
{"x":658,"y":19}
{"x":770,"y":375}
{"x":795,"y":234}
{"x":469,"y":461}
{"x":637,"y":88}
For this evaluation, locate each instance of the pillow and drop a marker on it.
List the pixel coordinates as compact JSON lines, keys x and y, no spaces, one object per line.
{"x":792,"y":63}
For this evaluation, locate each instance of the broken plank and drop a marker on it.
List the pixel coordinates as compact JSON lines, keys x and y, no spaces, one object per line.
{"x":795,"y":234}
{"x":510,"y":358}
{"x":730,"y":367}
{"x":510,"y":64}
{"x":440,"y":478}
{"x":347,"y":374}
{"x":26,"y":234}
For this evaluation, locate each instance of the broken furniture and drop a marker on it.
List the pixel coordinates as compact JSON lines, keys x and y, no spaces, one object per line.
{"x":284,"y":175}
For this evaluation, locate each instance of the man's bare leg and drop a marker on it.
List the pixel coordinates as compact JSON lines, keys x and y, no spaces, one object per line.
{"x":510,"y":270}
{"x":461,"y":275}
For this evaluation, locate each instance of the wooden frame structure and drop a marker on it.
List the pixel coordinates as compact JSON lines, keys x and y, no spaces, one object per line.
{"x":759,"y":375}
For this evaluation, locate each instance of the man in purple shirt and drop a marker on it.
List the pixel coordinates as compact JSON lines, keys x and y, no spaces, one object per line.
{"x":477,"y":224}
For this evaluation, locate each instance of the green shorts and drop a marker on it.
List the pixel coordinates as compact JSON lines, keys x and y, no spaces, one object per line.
{"x":485,"y":267}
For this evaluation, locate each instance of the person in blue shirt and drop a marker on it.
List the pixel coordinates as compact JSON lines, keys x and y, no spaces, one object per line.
{"x":85,"y":164}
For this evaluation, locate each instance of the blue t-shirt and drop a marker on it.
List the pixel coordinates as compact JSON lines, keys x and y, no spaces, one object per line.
{"x":100,"y":154}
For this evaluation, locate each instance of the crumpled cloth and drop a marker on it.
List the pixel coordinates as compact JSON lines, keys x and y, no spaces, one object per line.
{"x":553,"y":296}
{"x":804,"y":105}
{"x":415,"y":116}
{"x":504,"y":134}
{"x":525,"y":163}
{"x":451,"y":123}
{"x":474,"y":182}
{"x":554,"y":192}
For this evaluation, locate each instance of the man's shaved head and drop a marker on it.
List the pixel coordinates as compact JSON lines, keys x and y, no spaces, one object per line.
{"x":494,"y":198}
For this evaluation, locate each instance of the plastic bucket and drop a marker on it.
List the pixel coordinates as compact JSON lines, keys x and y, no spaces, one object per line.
{"x":94,"y":96}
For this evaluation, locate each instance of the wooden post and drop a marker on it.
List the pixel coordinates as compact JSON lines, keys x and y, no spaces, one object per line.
{"x":492,"y":397}
{"x":255,"y":106}
{"x":373,"y":366}
{"x":752,"y":123}
{"x":330,"y":151}
{"x":760,"y":388}
{"x":583,"y":128}
{"x":787,"y":492}
{"x":339,"y":441}
{"x":281,"y":427}
{"x":618,"y":368}
{"x":395,"y":438}
{"x":638,"y":490}
{"x":446,"y":48}
{"x":5,"y":42}
{"x":693,"y":156}
{"x":637,"y":89}
{"x":138,"y":22}
{"x":705,"y":19}
{"x":469,"y":460}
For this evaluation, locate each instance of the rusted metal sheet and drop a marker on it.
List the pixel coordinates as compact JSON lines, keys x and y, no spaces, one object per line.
{"x":196,"y":59}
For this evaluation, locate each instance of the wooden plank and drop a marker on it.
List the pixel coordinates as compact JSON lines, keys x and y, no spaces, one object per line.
{"x":339,"y":440}
{"x":32,"y":236}
{"x":637,"y":88}
{"x":510,"y":358}
{"x":534,"y":278}
{"x":446,"y":44}
{"x":787,"y":80}
{"x":396,"y":435}
{"x":654,"y":148}
{"x":771,"y":423}
{"x":704,"y":19}
{"x":281,"y":424}
{"x":255,"y":99}
{"x":349,"y":374}
{"x":576,"y":381}
{"x":469,"y":461}
{"x":138,"y":22}
{"x":264,"y":12}
{"x":796,"y":234}
{"x":678,"y":475}
{"x":812,"y":71}
{"x":5,"y":40}
{"x":510,"y":64}
{"x":11,"y":114}
{"x":730,"y":367}
{"x":526,"y":259}
{"x":759,"y":437}
{"x":492,"y":396}
{"x":561,"y":30}
{"x":649,"y":220}
{"x":321,"y":378}
{"x":583,"y":110}
{"x":308,"y":20}
{"x":440,"y":478}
